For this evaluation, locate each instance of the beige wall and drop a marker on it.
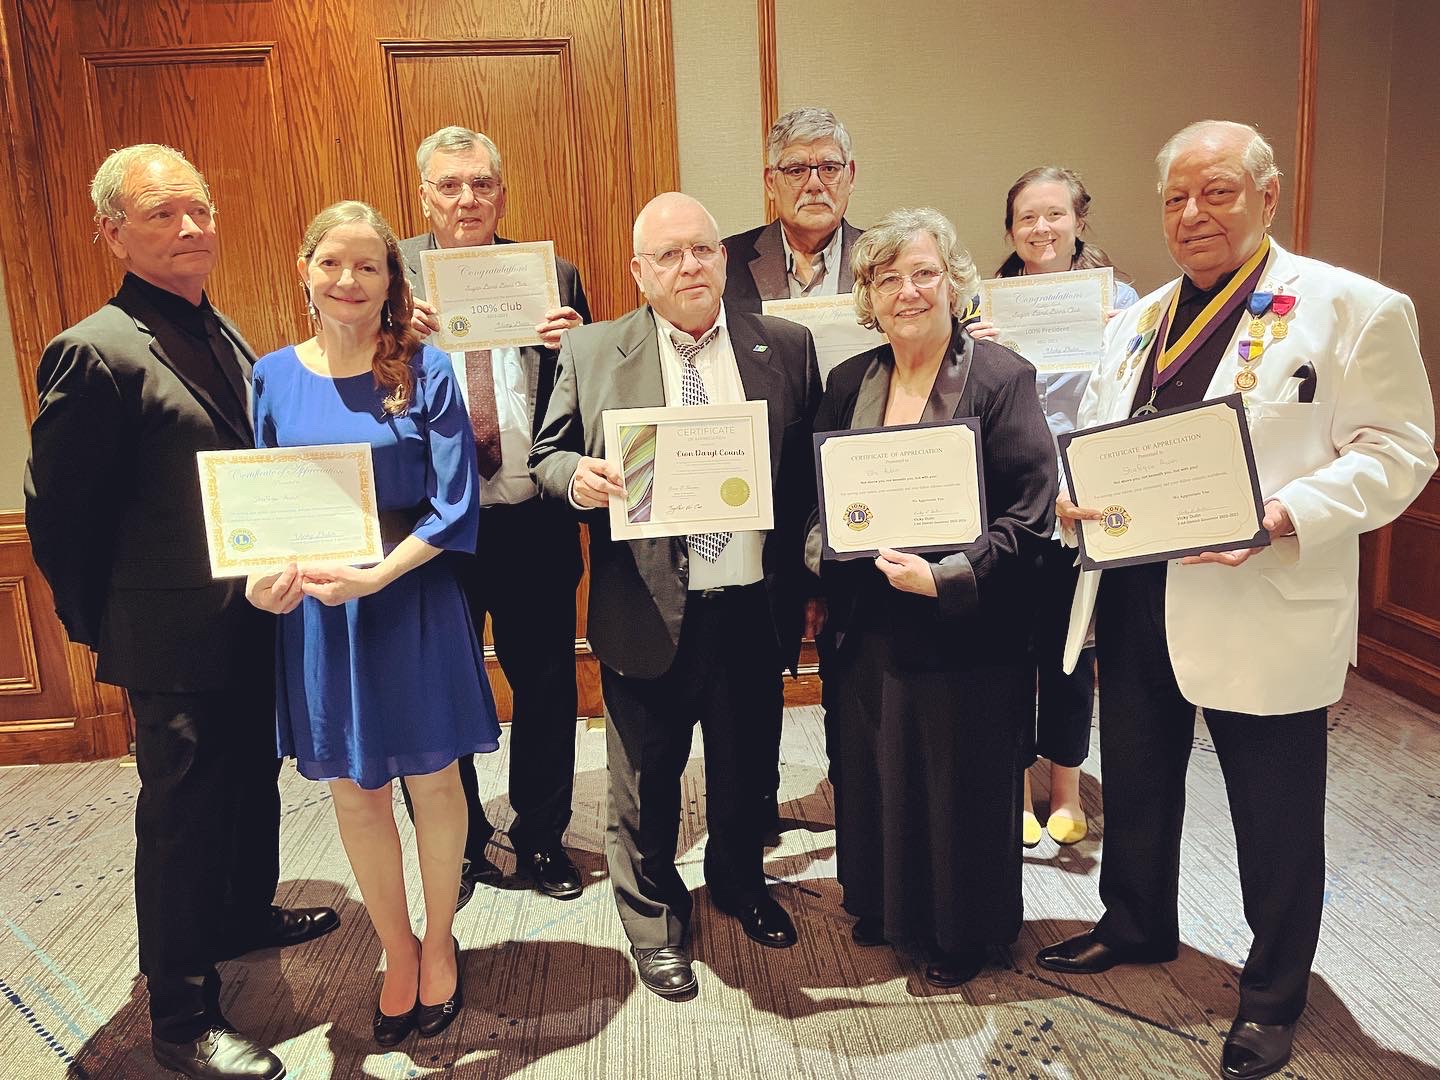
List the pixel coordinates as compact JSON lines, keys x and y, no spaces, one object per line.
{"x":14,"y":438}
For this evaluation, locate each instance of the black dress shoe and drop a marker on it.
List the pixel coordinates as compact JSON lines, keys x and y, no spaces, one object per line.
{"x":433,"y":1019}
{"x":219,"y":1054}
{"x":868,"y":932}
{"x":389,"y":1030}
{"x":665,"y":971}
{"x":287,"y":926}
{"x":477,"y":871}
{"x":765,"y":921}
{"x":1254,"y":1050}
{"x":552,"y":871}
{"x":1085,"y":954}
{"x":953,"y":969}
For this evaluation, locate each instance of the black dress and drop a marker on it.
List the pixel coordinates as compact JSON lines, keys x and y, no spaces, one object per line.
{"x":928,"y":700}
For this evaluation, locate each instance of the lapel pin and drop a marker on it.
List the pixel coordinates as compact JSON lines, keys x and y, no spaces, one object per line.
{"x":762,"y":348}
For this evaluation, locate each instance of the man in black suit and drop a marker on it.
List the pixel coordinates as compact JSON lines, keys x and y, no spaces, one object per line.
{"x":686,"y":628}
{"x":112,"y":503}
{"x":462,"y":190}
{"x":809,"y":176}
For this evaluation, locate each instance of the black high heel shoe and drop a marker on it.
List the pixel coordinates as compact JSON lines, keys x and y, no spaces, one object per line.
{"x":389,"y":1030}
{"x":433,"y":1019}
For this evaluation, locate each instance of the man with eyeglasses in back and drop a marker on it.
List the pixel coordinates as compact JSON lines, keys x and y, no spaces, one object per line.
{"x":532,"y":616}
{"x":686,"y":628}
{"x":809,"y":175}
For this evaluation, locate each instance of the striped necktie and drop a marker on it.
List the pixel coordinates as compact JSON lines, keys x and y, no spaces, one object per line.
{"x":692,"y":392}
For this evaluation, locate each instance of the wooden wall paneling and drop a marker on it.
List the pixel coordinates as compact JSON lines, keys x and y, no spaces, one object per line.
{"x":650,"y":102}
{"x":769,"y":83}
{"x":1305,"y":122}
{"x":1400,"y":602}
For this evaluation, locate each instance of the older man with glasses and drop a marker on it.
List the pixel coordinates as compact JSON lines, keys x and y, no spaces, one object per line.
{"x":532,"y":617}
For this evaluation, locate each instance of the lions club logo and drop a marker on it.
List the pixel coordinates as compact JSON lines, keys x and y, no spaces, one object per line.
{"x":858,"y":517}
{"x":242,"y":539}
{"x":1116,"y":520}
{"x":459,"y":326}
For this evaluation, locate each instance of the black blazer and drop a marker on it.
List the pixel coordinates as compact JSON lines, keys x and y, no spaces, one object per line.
{"x":112,"y":505}
{"x":638,"y":588}
{"x":755,"y":266}
{"x":982,"y":612}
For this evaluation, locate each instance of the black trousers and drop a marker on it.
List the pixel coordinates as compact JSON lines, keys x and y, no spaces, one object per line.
{"x":1064,"y":703}
{"x":532,"y":623}
{"x":207,"y":841}
{"x":726,"y":675}
{"x":1274,"y":770}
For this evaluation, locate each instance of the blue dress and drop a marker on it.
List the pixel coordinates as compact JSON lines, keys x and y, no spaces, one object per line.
{"x":391,"y":684}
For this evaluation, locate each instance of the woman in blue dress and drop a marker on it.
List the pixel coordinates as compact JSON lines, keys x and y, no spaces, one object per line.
{"x":379,"y":674}
{"x":1045,"y":212}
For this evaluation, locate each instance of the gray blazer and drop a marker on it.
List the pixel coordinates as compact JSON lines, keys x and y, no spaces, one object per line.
{"x":755,"y":265}
{"x":572,"y":294}
{"x":638,"y":588}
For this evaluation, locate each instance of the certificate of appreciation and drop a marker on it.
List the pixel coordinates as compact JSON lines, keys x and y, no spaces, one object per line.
{"x":1172,"y":484}
{"x":690,"y":469}
{"x":308,"y":504}
{"x":914,"y":487}
{"x":1056,"y":321}
{"x":490,"y":297}
{"x":831,"y":322}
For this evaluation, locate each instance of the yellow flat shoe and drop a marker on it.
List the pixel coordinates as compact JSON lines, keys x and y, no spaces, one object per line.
{"x":1029,"y":829}
{"x":1066,"y":830}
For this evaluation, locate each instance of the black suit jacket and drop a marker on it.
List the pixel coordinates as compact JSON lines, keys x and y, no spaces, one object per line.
{"x":638,"y":588}
{"x":983,"y":611}
{"x":755,"y":266}
{"x":112,"y":505}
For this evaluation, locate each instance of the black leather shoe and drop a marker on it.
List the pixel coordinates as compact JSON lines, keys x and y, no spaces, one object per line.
{"x":219,"y":1054}
{"x":665,"y":971}
{"x":868,"y":932}
{"x":1085,"y":954}
{"x":1254,"y":1050}
{"x":287,"y":926}
{"x":433,"y":1019}
{"x":765,"y":921}
{"x":953,"y":969}
{"x":389,"y":1030}
{"x":553,"y":872}
{"x":477,"y":871}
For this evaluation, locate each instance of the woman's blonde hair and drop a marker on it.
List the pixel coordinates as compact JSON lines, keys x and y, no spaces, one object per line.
{"x":881,"y":245}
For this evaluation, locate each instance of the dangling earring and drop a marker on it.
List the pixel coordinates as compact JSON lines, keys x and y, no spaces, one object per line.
{"x":309,"y":303}
{"x":385,"y":320}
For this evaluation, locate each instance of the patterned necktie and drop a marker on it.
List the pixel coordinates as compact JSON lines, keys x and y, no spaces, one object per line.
{"x":484,"y":413}
{"x":692,"y":392}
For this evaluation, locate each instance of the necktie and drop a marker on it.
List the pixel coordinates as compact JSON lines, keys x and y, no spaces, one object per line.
{"x":484,"y":414}
{"x":692,"y":392}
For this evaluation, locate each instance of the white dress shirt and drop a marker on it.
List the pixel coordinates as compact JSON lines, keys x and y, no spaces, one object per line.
{"x":740,"y":562}
{"x":515,"y":380}
{"x":826,"y":274}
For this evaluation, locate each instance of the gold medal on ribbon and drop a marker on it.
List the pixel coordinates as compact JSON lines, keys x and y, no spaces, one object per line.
{"x":1279,"y":330}
{"x":1257,"y":327}
{"x":1245,"y":380}
{"x":1149,"y":318}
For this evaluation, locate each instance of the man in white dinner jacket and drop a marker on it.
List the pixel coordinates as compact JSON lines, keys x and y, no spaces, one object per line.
{"x":1343,"y":428}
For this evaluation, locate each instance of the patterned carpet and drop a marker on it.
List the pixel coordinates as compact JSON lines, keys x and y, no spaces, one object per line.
{"x":550,"y":991}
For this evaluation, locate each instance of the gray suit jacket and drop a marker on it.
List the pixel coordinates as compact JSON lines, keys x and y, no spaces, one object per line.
{"x":638,"y":588}
{"x":755,"y":265}
{"x":572,"y":294}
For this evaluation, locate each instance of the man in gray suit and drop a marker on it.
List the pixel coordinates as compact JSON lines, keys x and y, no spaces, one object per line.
{"x":809,"y":176}
{"x":686,"y":628}
{"x":532,"y":619}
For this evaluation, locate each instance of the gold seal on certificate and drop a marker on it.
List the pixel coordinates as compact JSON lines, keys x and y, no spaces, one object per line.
{"x":490,"y":297}
{"x":264,"y":509}
{"x":916,"y":487}
{"x":1056,"y":321}
{"x":690,"y":469}
{"x":1167,"y":485}
{"x":832,"y":323}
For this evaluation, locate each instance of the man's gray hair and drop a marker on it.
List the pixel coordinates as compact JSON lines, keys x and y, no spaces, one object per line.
{"x":805,"y":124}
{"x":107,"y":186}
{"x":1258,"y":157}
{"x":881,"y":245}
{"x":457,"y":140}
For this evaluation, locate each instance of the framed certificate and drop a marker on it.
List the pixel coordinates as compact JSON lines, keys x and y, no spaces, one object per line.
{"x":912,"y":487}
{"x":265,"y":509}
{"x":1056,"y":321}
{"x":490,"y":297}
{"x":831,"y":322}
{"x":1171,"y":484}
{"x":690,"y":469}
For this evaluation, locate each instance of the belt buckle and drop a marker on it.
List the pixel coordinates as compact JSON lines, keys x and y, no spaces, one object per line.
{"x":714,"y":593}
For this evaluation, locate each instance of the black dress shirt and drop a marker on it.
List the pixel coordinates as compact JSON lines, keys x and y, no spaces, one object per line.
{"x":1188,"y":386}
{"x":197,"y":345}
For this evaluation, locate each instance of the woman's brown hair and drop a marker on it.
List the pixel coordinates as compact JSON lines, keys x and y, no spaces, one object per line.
{"x":1087,"y":256}
{"x":397,"y":340}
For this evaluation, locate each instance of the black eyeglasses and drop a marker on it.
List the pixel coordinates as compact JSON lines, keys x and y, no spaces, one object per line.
{"x":798,"y":175}
{"x":484,"y":187}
